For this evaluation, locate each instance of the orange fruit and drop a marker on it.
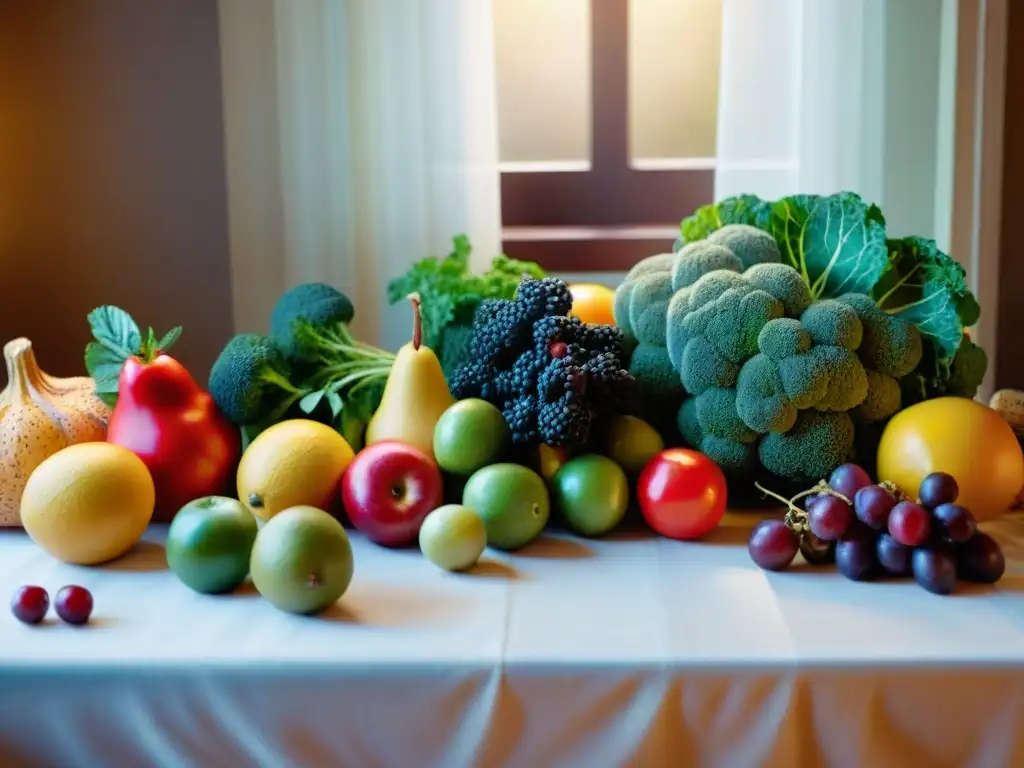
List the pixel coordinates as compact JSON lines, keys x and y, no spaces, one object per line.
{"x":592,"y":303}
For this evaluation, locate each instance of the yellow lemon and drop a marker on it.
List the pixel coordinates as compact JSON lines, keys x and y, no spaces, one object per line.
{"x":88,"y":503}
{"x":294,"y":463}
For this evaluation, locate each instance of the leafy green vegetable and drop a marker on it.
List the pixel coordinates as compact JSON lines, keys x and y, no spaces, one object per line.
{"x":837,"y":243}
{"x":743,"y":209}
{"x":450,"y":293}
{"x":117,"y":337}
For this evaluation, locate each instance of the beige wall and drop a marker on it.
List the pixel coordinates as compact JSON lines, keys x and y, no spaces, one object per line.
{"x":112,"y":173}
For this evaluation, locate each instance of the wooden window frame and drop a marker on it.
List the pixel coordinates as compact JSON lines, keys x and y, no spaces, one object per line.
{"x":612,"y":212}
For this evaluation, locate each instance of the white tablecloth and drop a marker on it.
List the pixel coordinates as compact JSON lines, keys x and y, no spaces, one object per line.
{"x":629,"y":651}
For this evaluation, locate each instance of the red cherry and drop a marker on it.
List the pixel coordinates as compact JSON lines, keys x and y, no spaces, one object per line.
{"x":74,"y":604}
{"x":559,"y":349}
{"x":30,"y":604}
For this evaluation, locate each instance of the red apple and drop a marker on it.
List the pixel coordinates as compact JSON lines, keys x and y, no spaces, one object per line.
{"x":388,"y":489}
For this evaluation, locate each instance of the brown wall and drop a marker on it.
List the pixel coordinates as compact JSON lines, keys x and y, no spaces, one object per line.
{"x":1010,"y":344}
{"x":112,"y":173}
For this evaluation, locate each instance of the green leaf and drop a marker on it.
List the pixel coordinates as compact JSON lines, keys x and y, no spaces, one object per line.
{"x":114,"y":328}
{"x":837,"y":242}
{"x":742,"y":209}
{"x":337,"y":404}
{"x":309,"y":403}
{"x":928,"y":288}
{"x":168,"y":339}
{"x":104,"y":366}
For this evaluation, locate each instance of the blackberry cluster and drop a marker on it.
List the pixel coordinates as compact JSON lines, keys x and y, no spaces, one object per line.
{"x":552,"y":376}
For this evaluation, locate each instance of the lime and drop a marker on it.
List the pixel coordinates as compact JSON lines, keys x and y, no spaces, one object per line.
{"x":209,"y":543}
{"x":592,"y":494}
{"x":512,"y":501}
{"x":302,"y":560}
{"x":631,"y":442}
{"x":453,"y":537}
{"x":469,"y":435}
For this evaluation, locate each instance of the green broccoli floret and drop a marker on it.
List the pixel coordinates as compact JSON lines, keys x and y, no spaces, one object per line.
{"x":717,"y":415}
{"x":818,"y":443}
{"x":315,"y":305}
{"x":733,"y":321}
{"x":702,"y":367}
{"x":805,"y":377}
{"x":750,"y":244}
{"x":651,"y":367}
{"x":735,"y":458}
{"x":882,"y":401}
{"x":676,"y":335}
{"x":761,"y":399}
{"x":661,"y":262}
{"x":714,"y":284}
{"x":847,"y":380}
{"x":648,"y":305}
{"x":697,"y":259}
{"x":783,"y":337}
{"x":891,"y":345}
{"x":968,"y":369}
{"x":784,"y":283}
{"x":833,"y":323}
{"x":249,"y":381}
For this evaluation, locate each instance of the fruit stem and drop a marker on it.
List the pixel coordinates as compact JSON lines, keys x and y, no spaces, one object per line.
{"x":255,"y":501}
{"x":796,"y":518}
{"x":417,"y":320}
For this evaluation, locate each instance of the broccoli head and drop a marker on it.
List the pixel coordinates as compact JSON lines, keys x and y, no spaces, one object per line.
{"x":677,"y":336}
{"x":761,"y":399}
{"x":315,"y":307}
{"x":783,"y":337}
{"x":702,"y":367}
{"x":833,"y":323}
{"x":652,"y":366}
{"x":717,"y":415}
{"x":818,"y":443}
{"x":784,"y":283}
{"x":714,"y":284}
{"x":733,"y":321}
{"x":659,"y":263}
{"x":648,"y":305}
{"x":733,"y":456}
{"x":890,"y":345}
{"x":697,"y":259}
{"x":249,"y":380}
{"x":882,"y":401}
{"x":847,"y":380}
{"x":750,"y":244}
{"x":967,"y":369}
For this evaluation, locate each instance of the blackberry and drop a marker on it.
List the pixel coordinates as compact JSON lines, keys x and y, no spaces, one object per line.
{"x":554,"y":328}
{"x":565,"y":421}
{"x":521,"y":416}
{"x":526,"y":370}
{"x":547,"y":296}
{"x":561,"y":375}
{"x":469,"y":380}
{"x":603,"y":338}
{"x":500,"y":328}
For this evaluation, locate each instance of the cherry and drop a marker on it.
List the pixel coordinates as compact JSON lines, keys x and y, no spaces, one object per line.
{"x":74,"y":604}
{"x":30,"y":604}
{"x":559,"y":349}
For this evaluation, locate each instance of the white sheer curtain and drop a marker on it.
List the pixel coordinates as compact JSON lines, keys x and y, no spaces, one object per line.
{"x":361,"y":135}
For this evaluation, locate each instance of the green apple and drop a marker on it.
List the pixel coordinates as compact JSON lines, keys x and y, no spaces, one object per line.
{"x":512,"y":501}
{"x":209,"y":543}
{"x":453,"y":537}
{"x":470,"y":434}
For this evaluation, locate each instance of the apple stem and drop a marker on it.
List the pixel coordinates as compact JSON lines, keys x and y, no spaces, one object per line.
{"x":312,"y":581}
{"x":417,"y":320}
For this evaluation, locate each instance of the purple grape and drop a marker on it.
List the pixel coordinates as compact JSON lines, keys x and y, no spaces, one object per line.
{"x":773,"y":545}
{"x":817,"y":551}
{"x":872,"y":505}
{"x":910,"y":524}
{"x":981,"y":560}
{"x":955,"y":522}
{"x":893,"y":556}
{"x":938,"y":488}
{"x":935,"y":569}
{"x":847,"y":479}
{"x":855,"y":557}
{"x":829,"y":517}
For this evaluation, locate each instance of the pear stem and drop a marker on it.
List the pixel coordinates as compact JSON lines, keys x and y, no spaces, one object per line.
{"x":417,"y":320}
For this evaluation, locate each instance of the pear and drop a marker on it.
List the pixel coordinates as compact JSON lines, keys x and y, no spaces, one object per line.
{"x":415,"y":396}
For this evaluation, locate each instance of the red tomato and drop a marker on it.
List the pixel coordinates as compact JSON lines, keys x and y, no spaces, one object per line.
{"x":682,"y":494}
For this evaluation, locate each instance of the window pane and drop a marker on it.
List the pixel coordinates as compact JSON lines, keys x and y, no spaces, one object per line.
{"x":543,"y":73}
{"x":674,"y":53}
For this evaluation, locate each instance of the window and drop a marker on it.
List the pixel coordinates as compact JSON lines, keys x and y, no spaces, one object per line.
{"x":607,"y":113}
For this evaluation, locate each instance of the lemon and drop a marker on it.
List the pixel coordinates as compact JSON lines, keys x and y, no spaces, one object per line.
{"x":298,"y":462}
{"x":88,"y":503}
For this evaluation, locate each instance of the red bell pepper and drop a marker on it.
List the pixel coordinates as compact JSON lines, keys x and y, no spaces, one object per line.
{"x":168,"y":421}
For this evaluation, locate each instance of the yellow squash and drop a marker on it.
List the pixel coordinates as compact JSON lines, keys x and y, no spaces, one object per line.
{"x":39,"y":415}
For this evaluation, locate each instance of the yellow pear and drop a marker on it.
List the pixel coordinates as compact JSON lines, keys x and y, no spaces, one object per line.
{"x":415,"y":395}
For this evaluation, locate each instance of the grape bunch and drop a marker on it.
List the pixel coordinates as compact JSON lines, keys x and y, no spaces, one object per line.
{"x":554,"y":377}
{"x":873,"y":530}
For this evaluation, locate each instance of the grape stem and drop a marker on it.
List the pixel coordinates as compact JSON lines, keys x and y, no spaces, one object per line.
{"x":796,"y":518}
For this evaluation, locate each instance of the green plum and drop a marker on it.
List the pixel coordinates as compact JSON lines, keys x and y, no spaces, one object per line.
{"x":512,"y":501}
{"x":592,"y":494}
